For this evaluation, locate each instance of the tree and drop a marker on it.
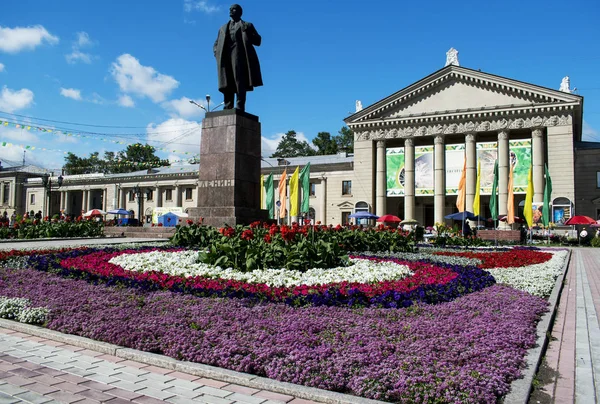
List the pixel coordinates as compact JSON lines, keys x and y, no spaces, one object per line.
{"x":135,"y":157}
{"x":290,"y":146}
{"x":345,"y":140}
{"x":325,"y":143}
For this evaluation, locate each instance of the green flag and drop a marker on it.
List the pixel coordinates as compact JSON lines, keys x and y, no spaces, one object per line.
{"x":305,"y":185}
{"x":270,"y":194}
{"x":547,"y":199}
{"x":494,"y":196}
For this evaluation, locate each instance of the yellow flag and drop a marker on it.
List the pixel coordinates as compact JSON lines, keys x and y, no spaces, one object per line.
{"x":282,"y":188}
{"x":510,"y":203}
{"x":262,"y":187}
{"x":476,"y":206}
{"x":528,"y":209}
{"x":294,"y":201}
{"x":462,"y":189}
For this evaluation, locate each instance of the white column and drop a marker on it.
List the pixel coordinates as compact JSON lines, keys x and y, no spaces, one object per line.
{"x":439,"y":180}
{"x":537,"y":144}
{"x":2,"y":193}
{"x":116,"y":197}
{"x":323,"y":202}
{"x":178,"y":197}
{"x":409,"y":179}
{"x":104,"y":199}
{"x":84,"y":200}
{"x":67,"y":203}
{"x":123,"y":202}
{"x":159,"y":197}
{"x":471,"y":154}
{"x":380,"y":180}
{"x":503,"y":170}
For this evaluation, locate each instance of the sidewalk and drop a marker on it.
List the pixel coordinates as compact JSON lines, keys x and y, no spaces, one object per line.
{"x":571,"y":373}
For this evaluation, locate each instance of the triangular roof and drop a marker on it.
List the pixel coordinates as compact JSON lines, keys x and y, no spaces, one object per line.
{"x":455,"y":90}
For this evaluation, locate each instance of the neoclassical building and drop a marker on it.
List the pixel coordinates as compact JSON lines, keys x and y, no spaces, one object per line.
{"x":409,"y":152}
{"x":410,"y":148}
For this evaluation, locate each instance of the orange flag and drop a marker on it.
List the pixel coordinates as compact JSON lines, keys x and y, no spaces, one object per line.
{"x":282,"y":188}
{"x":462,"y":189}
{"x":510,"y":204}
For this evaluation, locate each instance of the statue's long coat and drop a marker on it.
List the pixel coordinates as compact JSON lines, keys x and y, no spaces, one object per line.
{"x":247,"y":37}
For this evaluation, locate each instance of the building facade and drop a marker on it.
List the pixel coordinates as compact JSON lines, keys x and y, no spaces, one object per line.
{"x":409,"y":152}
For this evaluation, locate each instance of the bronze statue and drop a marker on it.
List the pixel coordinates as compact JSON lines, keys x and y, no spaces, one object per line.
{"x":237,"y":62}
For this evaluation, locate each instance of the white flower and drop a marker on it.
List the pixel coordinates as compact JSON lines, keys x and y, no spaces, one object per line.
{"x":183,"y":263}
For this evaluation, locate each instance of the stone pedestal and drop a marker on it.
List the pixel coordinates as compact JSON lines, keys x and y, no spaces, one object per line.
{"x":229,"y":175}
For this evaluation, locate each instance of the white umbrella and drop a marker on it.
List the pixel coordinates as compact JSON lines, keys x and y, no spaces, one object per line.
{"x":94,"y":212}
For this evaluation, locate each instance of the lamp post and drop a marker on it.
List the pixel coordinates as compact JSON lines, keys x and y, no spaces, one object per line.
{"x":139,"y":194}
{"x":207,"y":109}
{"x":47,"y":182}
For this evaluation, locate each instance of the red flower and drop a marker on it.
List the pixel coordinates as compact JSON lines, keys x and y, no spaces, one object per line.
{"x":227,"y":231}
{"x":247,"y":235}
{"x":274,"y":230}
{"x":267,"y":238}
{"x":160,"y":225}
{"x":255,"y":224}
{"x":189,"y":222}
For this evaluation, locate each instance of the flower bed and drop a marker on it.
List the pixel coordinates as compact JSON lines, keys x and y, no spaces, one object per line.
{"x":429,"y":283}
{"x":467,"y":350}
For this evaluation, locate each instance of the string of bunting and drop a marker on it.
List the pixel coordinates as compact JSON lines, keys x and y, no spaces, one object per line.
{"x":78,"y":135}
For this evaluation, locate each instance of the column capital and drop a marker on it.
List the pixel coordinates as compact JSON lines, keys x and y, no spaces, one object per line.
{"x":470,"y":137}
{"x":438,"y":139}
{"x":537,"y":133}
{"x":409,"y":142}
{"x":380,"y":144}
{"x":503,"y":134}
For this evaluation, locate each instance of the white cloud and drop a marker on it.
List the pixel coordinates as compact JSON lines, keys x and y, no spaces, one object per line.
{"x":184,"y":108}
{"x":126,"y":101}
{"x":143,"y":81}
{"x":177,"y":136}
{"x":13,"y":40}
{"x":1,"y":67}
{"x":71,"y":93}
{"x":20,"y":135}
{"x":78,"y":56}
{"x":11,"y":101}
{"x":199,"y":5}
{"x":83,"y":39}
{"x":97,"y":99}
{"x":589,"y":133}
{"x":269,"y":145}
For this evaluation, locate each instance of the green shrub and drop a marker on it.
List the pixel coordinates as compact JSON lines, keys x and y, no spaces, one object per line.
{"x":596,"y":242}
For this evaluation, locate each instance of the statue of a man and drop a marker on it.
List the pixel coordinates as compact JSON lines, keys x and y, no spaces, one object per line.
{"x":237,"y":62}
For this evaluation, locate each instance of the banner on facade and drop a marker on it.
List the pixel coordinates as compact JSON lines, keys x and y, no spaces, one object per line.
{"x":156,"y":212}
{"x":487,"y":152}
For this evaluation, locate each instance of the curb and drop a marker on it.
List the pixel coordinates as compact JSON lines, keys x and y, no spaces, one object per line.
{"x":196,"y":369}
{"x":520,"y":389}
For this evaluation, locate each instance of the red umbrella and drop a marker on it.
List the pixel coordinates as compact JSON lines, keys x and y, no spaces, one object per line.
{"x":580,"y":220}
{"x":517,"y":219}
{"x":389,"y":219}
{"x":597,"y":224}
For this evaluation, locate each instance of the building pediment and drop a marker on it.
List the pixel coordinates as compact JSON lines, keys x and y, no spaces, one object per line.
{"x":346,"y":205}
{"x":456,"y":90}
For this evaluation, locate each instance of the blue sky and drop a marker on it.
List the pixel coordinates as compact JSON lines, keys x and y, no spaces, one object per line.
{"x":128,"y":68}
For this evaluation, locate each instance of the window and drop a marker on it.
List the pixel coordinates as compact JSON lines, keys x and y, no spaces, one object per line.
{"x":168,"y":194}
{"x":188,"y":194}
{"x":150,"y":195}
{"x":346,"y":187}
{"x":312,"y":189}
{"x":131,"y":196}
{"x":345,"y":218}
{"x":32,"y":199}
{"x":6,"y":197}
{"x":597,"y":179}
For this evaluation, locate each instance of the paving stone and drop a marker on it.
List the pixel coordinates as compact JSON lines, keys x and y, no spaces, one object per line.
{"x":47,"y":380}
{"x":134,"y":371}
{"x":118,"y":400}
{"x":211,"y":391}
{"x":34,"y":398}
{"x":128,"y":377}
{"x":156,"y":378}
{"x":156,"y":369}
{"x":244,"y":398}
{"x":213,"y":400}
{"x":95,"y":395}
{"x":71,"y":387}
{"x":302,"y":401}
{"x":12,"y":389}
{"x":6,"y":399}
{"x":72,"y":378}
{"x":51,"y":372}
{"x":31,"y":366}
{"x":96,"y":386}
{"x":125,"y":394}
{"x":148,"y":400}
{"x":13,"y":359}
{"x":102,"y":378}
{"x":211,"y":382}
{"x":65,"y":397}
{"x":18,"y":381}
{"x":180,"y":391}
{"x":42,"y":388}
{"x":154,"y":393}
{"x":25,"y":372}
{"x":269,"y":395}
{"x":4,"y":374}
{"x":183,"y":383}
{"x":111,"y":358}
{"x":124,"y":384}
{"x":236,"y":388}
{"x":80,"y":372}
{"x":179,"y":400}
{"x":184,"y":376}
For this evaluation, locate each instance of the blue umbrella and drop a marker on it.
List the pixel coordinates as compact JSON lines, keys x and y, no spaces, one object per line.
{"x":461,"y":216}
{"x":119,"y":212}
{"x":363,"y":215}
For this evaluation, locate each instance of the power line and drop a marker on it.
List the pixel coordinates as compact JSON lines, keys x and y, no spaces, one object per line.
{"x":77,"y":124}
